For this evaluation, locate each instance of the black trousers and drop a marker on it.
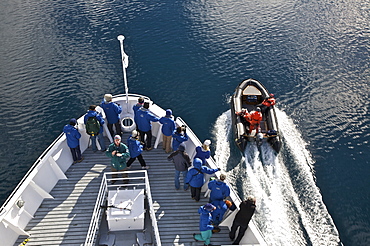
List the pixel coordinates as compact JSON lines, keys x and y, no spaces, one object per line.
{"x":118,"y":129}
{"x":148,"y":142}
{"x":242,"y":228}
{"x":195,"y":192}
{"x":139,"y":157}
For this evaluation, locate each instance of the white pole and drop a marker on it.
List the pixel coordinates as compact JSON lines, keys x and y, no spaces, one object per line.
{"x":124,"y":66}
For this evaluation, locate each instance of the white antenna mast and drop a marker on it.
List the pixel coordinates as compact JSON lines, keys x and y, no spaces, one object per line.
{"x":124,"y":66}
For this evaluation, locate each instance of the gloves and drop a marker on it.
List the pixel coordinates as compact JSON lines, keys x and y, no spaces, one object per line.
{"x":219,"y":169}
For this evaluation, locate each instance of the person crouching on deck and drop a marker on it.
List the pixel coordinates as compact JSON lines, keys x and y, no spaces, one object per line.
{"x":205,"y":224}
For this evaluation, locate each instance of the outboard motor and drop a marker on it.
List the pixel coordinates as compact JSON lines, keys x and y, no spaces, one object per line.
{"x":259,"y":138}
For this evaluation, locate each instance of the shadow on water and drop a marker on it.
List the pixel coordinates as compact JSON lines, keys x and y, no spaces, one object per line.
{"x":290,"y":210}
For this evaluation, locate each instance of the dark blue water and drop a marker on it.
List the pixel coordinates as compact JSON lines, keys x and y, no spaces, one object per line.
{"x":58,"y":57}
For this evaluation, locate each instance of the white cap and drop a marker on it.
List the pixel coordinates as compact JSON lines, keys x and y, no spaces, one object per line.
{"x":207,"y":142}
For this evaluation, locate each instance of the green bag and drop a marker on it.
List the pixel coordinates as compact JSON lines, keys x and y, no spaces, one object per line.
{"x":92,"y":126}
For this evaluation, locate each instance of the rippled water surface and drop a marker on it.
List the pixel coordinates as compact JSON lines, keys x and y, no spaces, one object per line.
{"x":58,"y":57}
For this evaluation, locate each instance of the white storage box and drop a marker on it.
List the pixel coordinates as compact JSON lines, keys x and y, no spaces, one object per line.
{"x":127,"y":211}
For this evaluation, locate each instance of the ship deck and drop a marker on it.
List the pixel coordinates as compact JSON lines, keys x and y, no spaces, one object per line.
{"x":65,"y":219}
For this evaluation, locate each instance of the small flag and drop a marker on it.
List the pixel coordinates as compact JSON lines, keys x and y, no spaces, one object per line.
{"x":125,"y":60}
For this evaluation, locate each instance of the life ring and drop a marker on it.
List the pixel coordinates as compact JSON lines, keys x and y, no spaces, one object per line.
{"x":128,"y":124}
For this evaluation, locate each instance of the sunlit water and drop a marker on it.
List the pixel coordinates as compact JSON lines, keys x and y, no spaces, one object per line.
{"x":290,"y":206}
{"x":58,"y":57}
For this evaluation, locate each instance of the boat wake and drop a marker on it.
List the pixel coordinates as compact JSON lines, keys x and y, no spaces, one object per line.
{"x":290,"y":210}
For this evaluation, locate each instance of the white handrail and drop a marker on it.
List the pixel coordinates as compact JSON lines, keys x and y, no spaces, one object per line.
{"x":91,"y":236}
{"x":152,"y":212}
{"x":96,"y":216}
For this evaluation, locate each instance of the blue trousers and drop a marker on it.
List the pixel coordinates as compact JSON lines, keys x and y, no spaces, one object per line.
{"x":177,"y":179}
{"x":101,"y":142}
{"x":76,"y":153}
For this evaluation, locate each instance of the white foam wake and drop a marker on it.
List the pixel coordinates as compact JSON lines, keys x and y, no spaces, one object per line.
{"x":290,"y":210}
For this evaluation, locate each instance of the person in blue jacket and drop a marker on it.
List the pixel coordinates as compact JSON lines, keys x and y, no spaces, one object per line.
{"x":92,"y":113}
{"x":112,"y":112}
{"x":136,"y":148}
{"x":73,"y":140}
{"x":144,"y":125}
{"x":218,"y":213}
{"x":179,"y":136}
{"x":136,"y":107}
{"x":195,"y":177}
{"x":203,"y":152}
{"x":168,"y":127}
{"x":219,"y":189}
{"x":205,"y":224}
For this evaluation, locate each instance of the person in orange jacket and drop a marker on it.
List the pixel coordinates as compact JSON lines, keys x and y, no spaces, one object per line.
{"x":255,"y":119}
{"x":244,"y":113}
{"x":267,"y":103}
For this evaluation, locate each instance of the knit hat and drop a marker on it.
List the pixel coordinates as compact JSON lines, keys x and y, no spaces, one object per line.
{"x":168,"y":112}
{"x":181,"y":147}
{"x":117,"y":137}
{"x":207,"y":142}
{"x":108,"y":97}
{"x":209,"y":207}
{"x":72,"y":121}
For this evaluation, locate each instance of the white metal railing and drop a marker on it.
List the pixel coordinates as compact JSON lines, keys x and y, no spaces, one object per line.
{"x":152,"y":212}
{"x":97,"y":214}
{"x":92,"y":233}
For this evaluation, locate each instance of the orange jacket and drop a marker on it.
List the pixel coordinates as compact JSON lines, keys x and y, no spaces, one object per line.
{"x":256,"y":117}
{"x":269,"y":102}
{"x":244,"y":114}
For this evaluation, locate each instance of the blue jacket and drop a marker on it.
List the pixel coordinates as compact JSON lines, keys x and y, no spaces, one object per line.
{"x":144,"y":119}
{"x":205,"y":219}
{"x":177,"y":139}
{"x":168,"y":125}
{"x":135,"y":108}
{"x":219,"y":190}
{"x":219,"y":212}
{"x":134,"y":146}
{"x":195,"y":176}
{"x":203,"y":155}
{"x":112,"y":111}
{"x":92,"y":113}
{"x":72,"y":135}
